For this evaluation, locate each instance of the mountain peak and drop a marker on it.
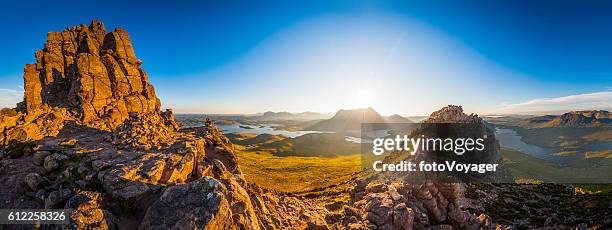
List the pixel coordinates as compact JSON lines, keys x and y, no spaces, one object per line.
{"x":585,"y":118}
{"x":86,"y":75}
{"x":396,"y":118}
{"x":91,"y":73}
{"x":348,"y":120}
{"x":582,"y":118}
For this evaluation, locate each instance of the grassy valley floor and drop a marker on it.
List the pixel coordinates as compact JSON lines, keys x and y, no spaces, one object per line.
{"x":325,"y":180}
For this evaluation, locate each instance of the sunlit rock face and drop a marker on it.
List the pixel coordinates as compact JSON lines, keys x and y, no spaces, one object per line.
{"x":86,"y":75}
{"x":92,"y":73}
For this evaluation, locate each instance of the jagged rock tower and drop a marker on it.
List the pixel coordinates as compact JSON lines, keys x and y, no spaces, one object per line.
{"x":92,"y":73}
{"x":85,"y":75}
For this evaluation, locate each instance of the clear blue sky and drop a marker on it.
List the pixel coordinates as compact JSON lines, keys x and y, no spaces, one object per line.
{"x":407,"y":57}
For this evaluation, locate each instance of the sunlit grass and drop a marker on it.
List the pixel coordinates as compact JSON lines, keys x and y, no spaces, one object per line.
{"x":296,"y":174}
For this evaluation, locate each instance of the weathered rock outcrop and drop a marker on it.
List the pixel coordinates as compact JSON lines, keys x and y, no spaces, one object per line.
{"x":147,"y":131}
{"x":452,"y":114}
{"x":406,"y":206}
{"x":93,"y":73}
{"x":83,"y":74}
{"x":200,"y":204}
{"x":87,"y":213}
{"x":387,"y":204}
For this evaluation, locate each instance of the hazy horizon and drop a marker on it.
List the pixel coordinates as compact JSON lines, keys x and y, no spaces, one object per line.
{"x":331,"y":113}
{"x":408,"y":59}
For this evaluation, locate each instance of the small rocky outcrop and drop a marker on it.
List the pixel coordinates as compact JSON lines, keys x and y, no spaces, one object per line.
{"x":536,"y":206}
{"x":34,"y":181}
{"x":406,"y":206}
{"x":199,"y":204}
{"x":386,"y":204}
{"x":87,"y":213}
{"x":147,"y":131}
{"x":452,"y":114}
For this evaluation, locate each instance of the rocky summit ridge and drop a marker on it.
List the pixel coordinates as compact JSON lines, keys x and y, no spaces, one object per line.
{"x":90,"y":137}
{"x":582,"y":119}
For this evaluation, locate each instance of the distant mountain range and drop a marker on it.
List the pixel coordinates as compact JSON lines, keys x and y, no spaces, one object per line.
{"x":395,"y":118}
{"x":293,"y":116}
{"x":351,"y":120}
{"x":592,"y":118}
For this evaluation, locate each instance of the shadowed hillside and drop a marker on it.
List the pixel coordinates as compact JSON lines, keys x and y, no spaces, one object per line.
{"x":571,"y":120}
{"x":348,"y":121}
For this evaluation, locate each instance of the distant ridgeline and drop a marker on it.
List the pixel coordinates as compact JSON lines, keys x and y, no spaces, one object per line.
{"x":593,"y":118}
{"x":351,"y":120}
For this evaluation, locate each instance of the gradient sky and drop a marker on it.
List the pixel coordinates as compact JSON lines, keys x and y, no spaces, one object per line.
{"x":408,"y":57}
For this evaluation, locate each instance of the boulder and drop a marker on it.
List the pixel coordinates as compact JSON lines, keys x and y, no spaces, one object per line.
{"x":196,"y":205}
{"x":115,"y":183}
{"x":34,"y":181}
{"x":41,"y":195}
{"x":85,"y":212}
{"x":403,"y":216}
{"x":39,"y":157}
{"x":52,"y":162}
{"x":57,"y":198}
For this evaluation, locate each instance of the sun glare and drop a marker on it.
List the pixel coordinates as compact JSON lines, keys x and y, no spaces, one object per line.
{"x":362,"y":98}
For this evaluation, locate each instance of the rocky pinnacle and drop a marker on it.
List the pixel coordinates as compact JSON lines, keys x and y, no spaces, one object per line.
{"x":92,"y":73}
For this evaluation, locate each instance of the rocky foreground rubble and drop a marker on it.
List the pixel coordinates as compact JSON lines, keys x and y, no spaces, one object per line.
{"x":195,"y":181}
{"x":90,"y":137}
